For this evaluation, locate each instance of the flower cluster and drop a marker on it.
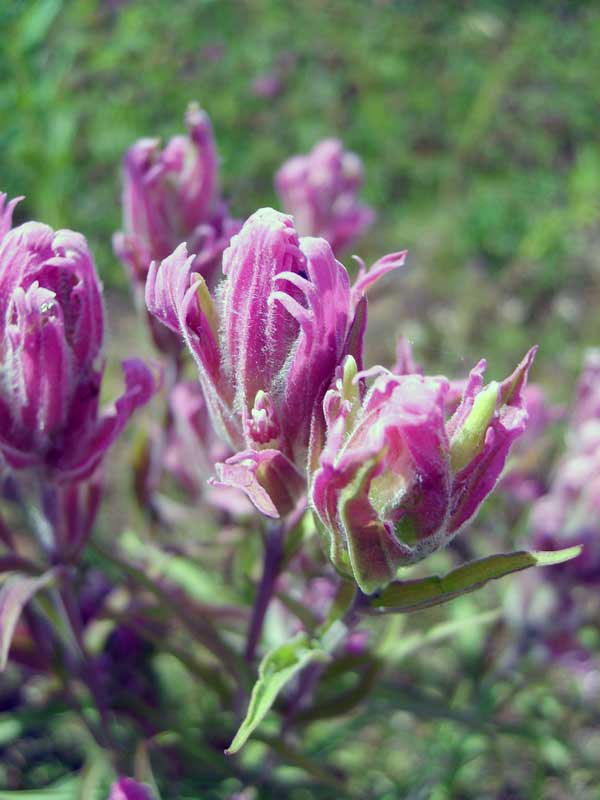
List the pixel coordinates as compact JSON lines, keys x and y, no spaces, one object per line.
{"x":266,"y":345}
{"x":389,"y":477}
{"x":320,"y":191}
{"x":387,"y":466}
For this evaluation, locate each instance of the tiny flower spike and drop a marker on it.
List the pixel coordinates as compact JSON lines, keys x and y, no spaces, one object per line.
{"x":266,"y":346}
{"x":320,"y":191}
{"x":51,"y":328}
{"x":171,"y":196}
{"x":396,"y":480}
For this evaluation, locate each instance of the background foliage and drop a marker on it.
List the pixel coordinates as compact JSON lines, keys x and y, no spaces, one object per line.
{"x":478,"y":127}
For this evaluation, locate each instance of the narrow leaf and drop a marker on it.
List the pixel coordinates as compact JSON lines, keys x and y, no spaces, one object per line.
{"x":15,"y":593}
{"x":405,"y":596}
{"x":277,"y":668}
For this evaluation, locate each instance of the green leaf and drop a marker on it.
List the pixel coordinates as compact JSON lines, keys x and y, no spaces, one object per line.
{"x":405,"y":596}
{"x":277,"y":668}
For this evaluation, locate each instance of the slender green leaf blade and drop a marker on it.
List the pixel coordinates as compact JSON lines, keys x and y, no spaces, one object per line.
{"x":405,"y":596}
{"x":277,"y":668}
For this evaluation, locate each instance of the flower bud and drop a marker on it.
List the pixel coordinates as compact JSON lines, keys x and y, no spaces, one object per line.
{"x":396,"y":479}
{"x":320,"y":191}
{"x":171,"y":195}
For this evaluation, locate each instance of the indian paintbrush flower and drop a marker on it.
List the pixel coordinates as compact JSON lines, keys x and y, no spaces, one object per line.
{"x":320,"y":191}
{"x":396,"y":478}
{"x":52,"y":331}
{"x":266,"y":345}
{"x":171,"y":195}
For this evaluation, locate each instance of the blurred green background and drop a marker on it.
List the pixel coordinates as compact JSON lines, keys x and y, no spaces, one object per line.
{"x":479,"y":129}
{"x":477,"y":123}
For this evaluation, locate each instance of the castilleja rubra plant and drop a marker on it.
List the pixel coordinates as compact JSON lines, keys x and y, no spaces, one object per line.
{"x":396,"y":479}
{"x":266,"y":345}
{"x":52,"y":328}
{"x":171,"y":195}
{"x":346,"y":474}
{"x":320,"y":190}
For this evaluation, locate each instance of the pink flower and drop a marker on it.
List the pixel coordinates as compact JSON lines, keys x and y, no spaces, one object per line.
{"x":171,"y":195}
{"x":320,"y":191}
{"x":52,"y":329}
{"x":396,"y":479}
{"x":266,"y":345}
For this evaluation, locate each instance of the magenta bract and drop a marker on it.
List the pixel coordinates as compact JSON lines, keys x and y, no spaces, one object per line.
{"x":6,"y":212}
{"x":266,"y":345}
{"x":171,"y":195}
{"x":320,"y":190}
{"x":52,"y":330}
{"x":396,"y":479}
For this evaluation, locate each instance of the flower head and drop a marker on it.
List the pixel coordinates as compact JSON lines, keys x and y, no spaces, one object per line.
{"x":52,"y":329}
{"x":171,"y":195}
{"x":396,"y":479}
{"x":266,"y":345}
{"x":320,"y":191}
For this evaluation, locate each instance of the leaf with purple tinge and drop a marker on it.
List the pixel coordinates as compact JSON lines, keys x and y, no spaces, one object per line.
{"x":17,"y":590}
